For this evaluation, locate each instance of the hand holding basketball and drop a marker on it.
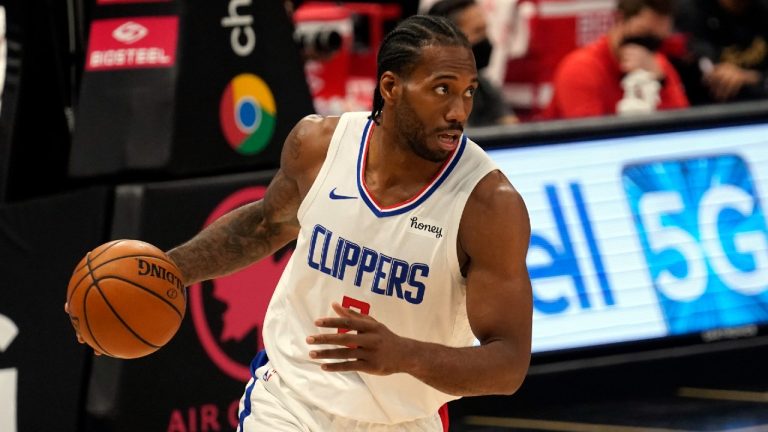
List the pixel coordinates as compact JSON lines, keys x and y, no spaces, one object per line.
{"x":126,"y":299}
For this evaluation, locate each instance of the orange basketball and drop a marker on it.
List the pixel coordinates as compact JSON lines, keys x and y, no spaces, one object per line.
{"x":126,"y":298}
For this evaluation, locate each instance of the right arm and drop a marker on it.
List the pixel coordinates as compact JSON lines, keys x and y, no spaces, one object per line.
{"x":242,"y":236}
{"x":258,"y":229}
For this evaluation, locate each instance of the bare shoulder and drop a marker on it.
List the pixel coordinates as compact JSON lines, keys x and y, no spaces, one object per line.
{"x":306,"y":146}
{"x":494,"y":195}
{"x":308,"y":140}
{"x":494,"y":213}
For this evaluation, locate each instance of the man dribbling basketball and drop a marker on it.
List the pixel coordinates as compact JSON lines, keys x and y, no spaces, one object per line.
{"x":410,"y":243}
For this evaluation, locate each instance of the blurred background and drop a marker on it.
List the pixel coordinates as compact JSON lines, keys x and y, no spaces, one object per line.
{"x":636,"y":131}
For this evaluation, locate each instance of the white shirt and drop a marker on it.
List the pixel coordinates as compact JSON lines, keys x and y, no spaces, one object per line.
{"x":398,"y":264}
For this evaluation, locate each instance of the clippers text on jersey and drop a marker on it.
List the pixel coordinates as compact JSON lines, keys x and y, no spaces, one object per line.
{"x":341,"y":258}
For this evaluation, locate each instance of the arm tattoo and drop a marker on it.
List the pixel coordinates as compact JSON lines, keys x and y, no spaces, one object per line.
{"x":249,"y":233}
{"x":230,"y":243}
{"x":242,"y":236}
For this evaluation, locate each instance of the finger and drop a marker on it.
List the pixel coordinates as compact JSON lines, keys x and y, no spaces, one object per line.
{"x":718,"y":89}
{"x":348,"y":323}
{"x":349,"y":340}
{"x":354,"y":365}
{"x":337,"y":353}
{"x":339,"y":309}
{"x":733,"y":87}
{"x":726,"y":89}
{"x":342,"y":311}
{"x":330,"y":322}
{"x":334,"y":339}
{"x":66,"y":307}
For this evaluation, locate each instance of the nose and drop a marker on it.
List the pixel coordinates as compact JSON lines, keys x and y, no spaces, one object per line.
{"x":458,"y":110}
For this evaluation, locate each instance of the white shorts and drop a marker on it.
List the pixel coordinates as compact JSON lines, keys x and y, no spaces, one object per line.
{"x":275,"y":407}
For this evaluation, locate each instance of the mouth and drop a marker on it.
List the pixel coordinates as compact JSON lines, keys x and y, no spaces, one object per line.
{"x":449,"y":140}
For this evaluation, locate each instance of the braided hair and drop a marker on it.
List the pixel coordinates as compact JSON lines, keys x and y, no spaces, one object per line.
{"x":400,"y":50}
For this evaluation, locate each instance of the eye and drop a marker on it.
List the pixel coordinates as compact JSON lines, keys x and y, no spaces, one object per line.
{"x":441,"y":89}
{"x":470,"y":92}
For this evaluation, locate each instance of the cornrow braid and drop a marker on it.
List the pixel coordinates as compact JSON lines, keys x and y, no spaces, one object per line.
{"x":401,"y":49}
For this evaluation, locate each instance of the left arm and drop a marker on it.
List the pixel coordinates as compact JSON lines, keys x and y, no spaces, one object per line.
{"x":727,"y":79}
{"x":494,"y":235}
{"x":493,"y":238}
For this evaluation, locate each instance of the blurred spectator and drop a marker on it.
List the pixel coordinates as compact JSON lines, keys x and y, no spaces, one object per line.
{"x":621,"y":72}
{"x":488,"y":107}
{"x":729,"y":41}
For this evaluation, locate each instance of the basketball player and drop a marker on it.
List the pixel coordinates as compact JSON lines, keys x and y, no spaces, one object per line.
{"x":410,"y":244}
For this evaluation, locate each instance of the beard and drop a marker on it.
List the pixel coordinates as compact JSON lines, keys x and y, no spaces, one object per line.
{"x":412,"y":131}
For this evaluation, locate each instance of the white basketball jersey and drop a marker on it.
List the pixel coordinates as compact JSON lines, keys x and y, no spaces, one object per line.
{"x":398,"y":264}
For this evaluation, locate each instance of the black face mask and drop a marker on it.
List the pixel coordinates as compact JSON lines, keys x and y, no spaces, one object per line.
{"x":650,"y":42}
{"x":482,"y":51}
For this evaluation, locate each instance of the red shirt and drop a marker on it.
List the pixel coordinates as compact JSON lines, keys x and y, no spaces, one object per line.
{"x":588,"y":83}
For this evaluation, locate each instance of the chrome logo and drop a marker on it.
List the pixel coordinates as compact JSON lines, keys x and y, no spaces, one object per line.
{"x":247,"y":114}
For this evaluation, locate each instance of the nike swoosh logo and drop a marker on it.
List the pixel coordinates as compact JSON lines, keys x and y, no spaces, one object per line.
{"x":334,"y":196}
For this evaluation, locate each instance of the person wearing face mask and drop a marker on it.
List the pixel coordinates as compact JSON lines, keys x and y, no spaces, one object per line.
{"x":729,"y":43}
{"x":622,"y":72}
{"x":488,"y":106}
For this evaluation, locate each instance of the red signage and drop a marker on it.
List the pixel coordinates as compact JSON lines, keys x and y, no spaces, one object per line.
{"x":132,"y":43}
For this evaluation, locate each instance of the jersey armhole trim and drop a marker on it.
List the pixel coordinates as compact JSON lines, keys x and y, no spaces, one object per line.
{"x":330,"y":156}
{"x":479,"y":173}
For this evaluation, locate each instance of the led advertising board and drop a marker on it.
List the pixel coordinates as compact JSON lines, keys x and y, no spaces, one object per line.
{"x":645,"y":237}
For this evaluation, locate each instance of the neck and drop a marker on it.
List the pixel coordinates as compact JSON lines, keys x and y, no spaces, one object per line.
{"x":393,"y":163}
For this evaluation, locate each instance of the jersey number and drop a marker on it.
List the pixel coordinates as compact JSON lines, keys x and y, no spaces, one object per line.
{"x":356,"y":305}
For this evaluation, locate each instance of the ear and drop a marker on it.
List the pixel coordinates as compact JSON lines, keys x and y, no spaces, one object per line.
{"x":390,"y":86}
